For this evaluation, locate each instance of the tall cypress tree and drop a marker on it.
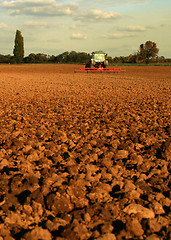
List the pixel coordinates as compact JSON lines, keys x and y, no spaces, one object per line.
{"x":18,"y":47}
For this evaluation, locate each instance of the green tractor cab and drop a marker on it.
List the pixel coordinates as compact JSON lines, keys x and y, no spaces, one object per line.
{"x":98,"y":60}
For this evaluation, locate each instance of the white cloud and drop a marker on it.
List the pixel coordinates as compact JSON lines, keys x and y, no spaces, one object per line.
{"x":78,"y":36}
{"x":97,"y":15}
{"x":26,"y":3}
{"x":35,"y":24}
{"x":46,"y":11}
{"x":39,"y":7}
{"x":73,"y":26}
{"x":112,"y":3}
{"x":132,"y":28}
{"x":117,"y":35}
{"x":3,"y":26}
{"x":79,"y":26}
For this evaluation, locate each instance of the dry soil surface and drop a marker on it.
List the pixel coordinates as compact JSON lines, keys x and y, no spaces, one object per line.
{"x":84,"y":156}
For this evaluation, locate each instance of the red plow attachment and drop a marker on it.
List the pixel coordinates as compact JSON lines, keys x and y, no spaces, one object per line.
{"x":99,"y":70}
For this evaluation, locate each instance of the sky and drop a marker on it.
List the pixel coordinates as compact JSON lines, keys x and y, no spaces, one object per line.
{"x":117,"y":27}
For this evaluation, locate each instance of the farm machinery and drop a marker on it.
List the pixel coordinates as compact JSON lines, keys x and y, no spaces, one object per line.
{"x":98,"y":64}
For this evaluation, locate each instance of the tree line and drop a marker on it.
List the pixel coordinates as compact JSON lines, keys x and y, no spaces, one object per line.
{"x":147,"y":53}
{"x":79,"y":58}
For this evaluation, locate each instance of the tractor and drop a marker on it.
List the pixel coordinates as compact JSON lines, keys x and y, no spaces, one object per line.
{"x":98,"y":60}
{"x":98,"y":64}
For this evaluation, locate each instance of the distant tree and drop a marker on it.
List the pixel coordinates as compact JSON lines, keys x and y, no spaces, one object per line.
{"x":116,"y":59}
{"x":18,"y":47}
{"x":80,"y":57}
{"x":132,"y":58}
{"x":65,"y":57}
{"x":51,"y":59}
{"x":110,"y":59}
{"x":71,"y":57}
{"x":36,"y":58}
{"x":6,"y":59}
{"x":41,"y":58}
{"x":31,"y":58}
{"x":148,"y":50}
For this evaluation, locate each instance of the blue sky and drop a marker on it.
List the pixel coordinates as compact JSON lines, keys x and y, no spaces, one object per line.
{"x":117,"y":27}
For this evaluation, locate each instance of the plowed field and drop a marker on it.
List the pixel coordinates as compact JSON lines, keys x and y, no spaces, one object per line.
{"x":84,"y":156}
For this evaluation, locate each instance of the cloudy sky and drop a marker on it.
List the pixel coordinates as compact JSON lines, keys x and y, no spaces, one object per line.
{"x":117,"y":27}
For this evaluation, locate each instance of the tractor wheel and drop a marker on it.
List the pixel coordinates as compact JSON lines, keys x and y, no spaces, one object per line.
{"x":97,"y":65}
{"x":88,"y":65}
{"x":103,"y":65}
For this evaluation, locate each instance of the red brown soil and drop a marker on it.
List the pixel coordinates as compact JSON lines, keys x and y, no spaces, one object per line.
{"x":84,"y":156}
